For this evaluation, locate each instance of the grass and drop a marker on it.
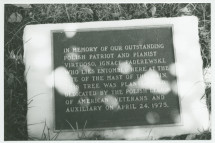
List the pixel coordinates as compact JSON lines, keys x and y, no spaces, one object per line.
{"x":15,"y":104}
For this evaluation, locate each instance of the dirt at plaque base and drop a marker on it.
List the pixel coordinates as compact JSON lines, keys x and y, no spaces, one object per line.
{"x":53,"y":75}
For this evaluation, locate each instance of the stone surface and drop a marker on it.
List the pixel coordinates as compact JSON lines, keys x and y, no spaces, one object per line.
{"x":190,"y":86}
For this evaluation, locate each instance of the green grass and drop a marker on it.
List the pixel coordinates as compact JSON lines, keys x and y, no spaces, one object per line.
{"x":14,"y":82}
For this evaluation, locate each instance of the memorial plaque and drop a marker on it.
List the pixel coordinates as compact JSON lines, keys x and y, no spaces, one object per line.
{"x":115,"y":77}
{"x":130,"y":79}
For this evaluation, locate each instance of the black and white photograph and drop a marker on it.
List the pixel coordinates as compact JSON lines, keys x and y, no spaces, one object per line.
{"x":106,"y":71}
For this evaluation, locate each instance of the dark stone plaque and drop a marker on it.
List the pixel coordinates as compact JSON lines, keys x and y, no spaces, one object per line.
{"x":122,"y":77}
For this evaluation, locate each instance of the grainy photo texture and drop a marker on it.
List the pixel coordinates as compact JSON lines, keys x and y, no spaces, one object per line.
{"x":107,"y":71}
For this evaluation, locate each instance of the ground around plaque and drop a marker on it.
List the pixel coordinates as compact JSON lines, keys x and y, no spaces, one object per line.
{"x":17,"y":17}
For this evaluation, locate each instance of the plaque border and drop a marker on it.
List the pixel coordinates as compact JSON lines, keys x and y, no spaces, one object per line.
{"x":86,"y":29}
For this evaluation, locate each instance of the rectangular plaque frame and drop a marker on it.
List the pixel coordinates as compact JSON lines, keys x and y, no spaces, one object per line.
{"x":107,"y":29}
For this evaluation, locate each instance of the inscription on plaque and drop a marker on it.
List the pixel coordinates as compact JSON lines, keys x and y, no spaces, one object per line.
{"x":114,"y":78}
